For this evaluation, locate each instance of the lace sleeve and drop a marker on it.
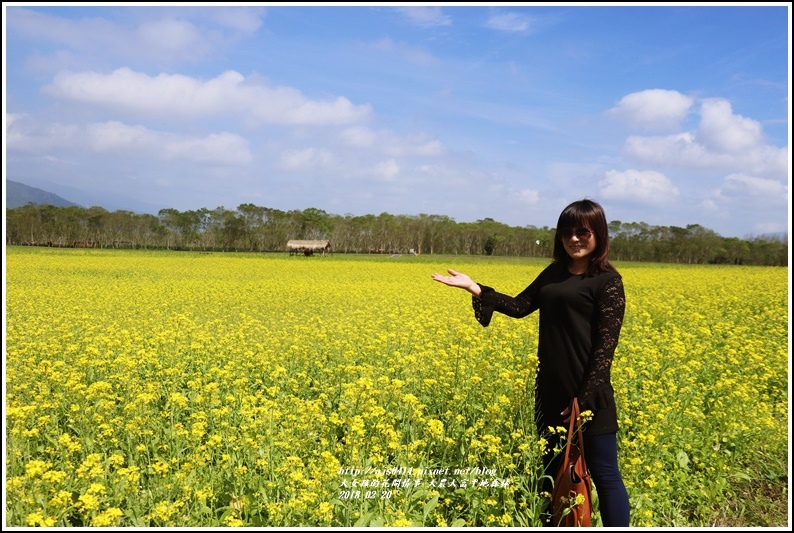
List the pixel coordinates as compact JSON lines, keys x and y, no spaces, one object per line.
{"x":482,"y":311}
{"x":490,"y":301}
{"x":608,"y":321}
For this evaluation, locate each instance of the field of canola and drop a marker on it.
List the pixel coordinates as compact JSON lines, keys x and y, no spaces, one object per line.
{"x":180,"y":389}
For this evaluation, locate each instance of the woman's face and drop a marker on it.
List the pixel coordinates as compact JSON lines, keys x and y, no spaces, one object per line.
{"x":578,"y":242}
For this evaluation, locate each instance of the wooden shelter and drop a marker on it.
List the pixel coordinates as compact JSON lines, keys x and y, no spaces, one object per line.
{"x":308,"y":247}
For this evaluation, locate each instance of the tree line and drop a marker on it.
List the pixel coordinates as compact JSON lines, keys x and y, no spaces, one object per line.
{"x":262,"y":229}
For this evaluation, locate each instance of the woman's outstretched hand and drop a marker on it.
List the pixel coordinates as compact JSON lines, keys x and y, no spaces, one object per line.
{"x":458,"y":279}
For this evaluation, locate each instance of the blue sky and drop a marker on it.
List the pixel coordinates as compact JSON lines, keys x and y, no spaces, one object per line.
{"x":668,"y":115}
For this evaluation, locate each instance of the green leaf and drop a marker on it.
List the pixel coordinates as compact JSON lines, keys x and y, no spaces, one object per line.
{"x":363,"y":520}
{"x":429,"y":506}
{"x":683,"y":459}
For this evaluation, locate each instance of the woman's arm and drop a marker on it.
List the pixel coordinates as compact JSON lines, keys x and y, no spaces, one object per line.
{"x":608,"y":322}
{"x":486,"y":300}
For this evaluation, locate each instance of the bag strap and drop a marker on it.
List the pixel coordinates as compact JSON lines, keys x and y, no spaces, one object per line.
{"x":574,"y":431}
{"x":579,"y":439}
{"x":573,"y":425}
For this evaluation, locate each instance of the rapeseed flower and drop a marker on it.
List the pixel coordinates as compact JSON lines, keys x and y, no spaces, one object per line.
{"x":146,"y":385}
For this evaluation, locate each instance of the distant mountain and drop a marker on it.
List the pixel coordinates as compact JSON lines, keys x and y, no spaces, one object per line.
{"x":106,"y":200}
{"x":19,"y":194}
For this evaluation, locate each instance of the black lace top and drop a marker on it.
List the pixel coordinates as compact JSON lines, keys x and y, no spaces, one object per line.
{"x":579,"y":327}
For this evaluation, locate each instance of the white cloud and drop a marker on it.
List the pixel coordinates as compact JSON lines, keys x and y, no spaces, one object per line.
{"x":769,"y":190}
{"x":229,"y":94}
{"x":528,"y":196}
{"x":682,"y":150}
{"x":10,"y":130}
{"x":675,"y":150}
{"x":165,"y":35}
{"x":723,"y":141}
{"x":425,"y":16}
{"x":81,"y":34}
{"x":647,"y":187}
{"x":307,"y":112}
{"x":512,"y":22}
{"x":710,"y":205}
{"x":746,"y":189}
{"x":24,"y":134}
{"x":308,"y":158}
{"x":420,"y":145}
{"x":238,"y":18}
{"x":115,"y":136}
{"x":723,"y":132}
{"x":217,"y":148}
{"x":358,"y":136}
{"x":169,"y":35}
{"x":387,"y":170}
{"x":738,"y":193}
{"x":653,"y":108}
{"x":119,"y":139}
{"x":392,"y":144}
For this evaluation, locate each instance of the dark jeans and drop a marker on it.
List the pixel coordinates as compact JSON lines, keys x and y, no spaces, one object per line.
{"x":601,"y":454}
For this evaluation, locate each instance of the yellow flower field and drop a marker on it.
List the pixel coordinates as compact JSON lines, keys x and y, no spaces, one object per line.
{"x":187,"y":389}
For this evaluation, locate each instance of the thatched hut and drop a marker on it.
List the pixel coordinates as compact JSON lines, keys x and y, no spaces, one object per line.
{"x":308,"y":247}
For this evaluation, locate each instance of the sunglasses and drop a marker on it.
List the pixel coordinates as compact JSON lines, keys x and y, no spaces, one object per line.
{"x":581,"y":233}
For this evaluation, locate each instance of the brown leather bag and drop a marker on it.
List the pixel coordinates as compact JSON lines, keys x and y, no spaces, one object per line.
{"x":572,"y":482}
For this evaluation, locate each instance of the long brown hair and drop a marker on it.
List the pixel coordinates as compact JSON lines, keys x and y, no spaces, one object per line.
{"x":588,"y":214}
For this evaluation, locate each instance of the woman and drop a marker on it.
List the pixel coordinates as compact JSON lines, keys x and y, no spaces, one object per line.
{"x":581,"y":301}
